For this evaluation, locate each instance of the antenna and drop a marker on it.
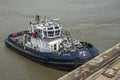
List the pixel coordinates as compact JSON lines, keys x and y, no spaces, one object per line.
{"x":45,"y":19}
{"x":37,"y":18}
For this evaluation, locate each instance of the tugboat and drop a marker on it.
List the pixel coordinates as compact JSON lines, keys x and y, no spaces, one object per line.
{"x":47,"y":43}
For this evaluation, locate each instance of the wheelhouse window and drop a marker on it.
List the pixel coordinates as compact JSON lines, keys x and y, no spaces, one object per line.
{"x":51,"y":28}
{"x":56,"y":27}
{"x":57,"y":32}
{"x":51,"y":33}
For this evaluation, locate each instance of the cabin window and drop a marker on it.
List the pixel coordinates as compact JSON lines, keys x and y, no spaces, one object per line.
{"x":57,"y":32}
{"x":51,"y":33}
{"x":64,"y":41}
{"x":39,"y":31}
{"x":56,"y":27}
{"x":51,"y":28}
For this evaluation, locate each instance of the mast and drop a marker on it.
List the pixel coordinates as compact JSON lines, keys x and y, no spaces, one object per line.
{"x":37,"y":18}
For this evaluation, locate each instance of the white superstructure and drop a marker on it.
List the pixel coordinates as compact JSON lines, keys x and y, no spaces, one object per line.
{"x":47,"y":35}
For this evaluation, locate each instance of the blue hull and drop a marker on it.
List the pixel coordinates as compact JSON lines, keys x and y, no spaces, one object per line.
{"x":62,"y":61}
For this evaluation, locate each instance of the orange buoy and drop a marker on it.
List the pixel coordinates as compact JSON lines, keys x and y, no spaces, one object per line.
{"x":14,"y":35}
{"x":23,"y":33}
{"x":33,"y":34}
{"x":81,"y":69}
{"x":84,"y":76}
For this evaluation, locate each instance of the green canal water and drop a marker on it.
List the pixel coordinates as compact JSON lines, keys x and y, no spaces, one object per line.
{"x":94,"y":21}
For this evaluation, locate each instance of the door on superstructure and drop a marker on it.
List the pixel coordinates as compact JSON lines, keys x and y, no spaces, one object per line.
{"x":55,"y":46}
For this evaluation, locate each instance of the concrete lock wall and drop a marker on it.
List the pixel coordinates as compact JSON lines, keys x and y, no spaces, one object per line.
{"x":84,"y":71}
